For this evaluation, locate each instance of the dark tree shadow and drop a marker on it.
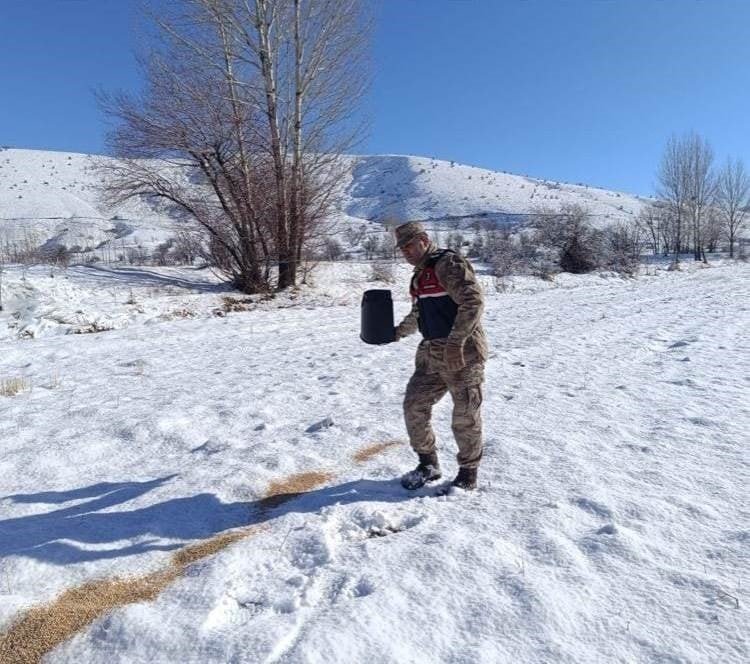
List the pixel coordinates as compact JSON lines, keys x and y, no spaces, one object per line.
{"x":60,"y":537}
{"x":143,"y":277}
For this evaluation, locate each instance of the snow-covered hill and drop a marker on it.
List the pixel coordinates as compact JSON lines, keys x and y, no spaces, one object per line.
{"x":205,"y":489}
{"x":54,"y":196}
{"x":402,"y":187}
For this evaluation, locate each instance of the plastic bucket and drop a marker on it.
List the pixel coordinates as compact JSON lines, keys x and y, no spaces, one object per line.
{"x":377,"y":317}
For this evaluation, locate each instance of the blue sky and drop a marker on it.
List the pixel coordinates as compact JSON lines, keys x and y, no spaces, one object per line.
{"x":574,"y":90}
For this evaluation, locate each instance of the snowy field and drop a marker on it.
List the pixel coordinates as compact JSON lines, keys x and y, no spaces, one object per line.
{"x":612,"y":522}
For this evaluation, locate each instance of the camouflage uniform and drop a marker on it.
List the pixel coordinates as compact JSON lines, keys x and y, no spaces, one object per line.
{"x":432,"y":377}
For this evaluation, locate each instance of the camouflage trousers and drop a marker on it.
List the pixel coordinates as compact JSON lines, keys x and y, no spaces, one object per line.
{"x":430,"y":382}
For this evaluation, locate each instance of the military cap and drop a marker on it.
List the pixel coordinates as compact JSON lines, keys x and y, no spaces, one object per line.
{"x":405,"y":233}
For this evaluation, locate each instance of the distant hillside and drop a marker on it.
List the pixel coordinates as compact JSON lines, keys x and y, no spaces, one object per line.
{"x":52,"y":197}
{"x":402,"y":187}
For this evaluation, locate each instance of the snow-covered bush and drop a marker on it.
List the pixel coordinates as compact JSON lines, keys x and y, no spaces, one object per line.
{"x":161,"y":255}
{"x":333,"y":249}
{"x":623,"y":248}
{"x":579,"y":246}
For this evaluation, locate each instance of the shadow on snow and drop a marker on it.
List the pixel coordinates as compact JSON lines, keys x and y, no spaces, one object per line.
{"x":59,"y":537}
{"x":143,"y":277}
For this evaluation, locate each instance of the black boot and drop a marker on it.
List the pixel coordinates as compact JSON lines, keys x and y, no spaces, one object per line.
{"x":466,"y":479}
{"x":428,"y":470}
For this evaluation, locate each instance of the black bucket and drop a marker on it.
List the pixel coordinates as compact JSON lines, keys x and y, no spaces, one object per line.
{"x":377,"y":317}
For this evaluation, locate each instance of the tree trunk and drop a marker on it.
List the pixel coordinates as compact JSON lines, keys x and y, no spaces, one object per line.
{"x":284,"y":255}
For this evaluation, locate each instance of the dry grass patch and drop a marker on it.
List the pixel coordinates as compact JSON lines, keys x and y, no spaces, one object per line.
{"x":41,"y":629}
{"x":367,"y":453}
{"x":93,"y":328}
{"x":178,"y":314}
{"x":290,"y":487}
{"x":230,"y":304}
{"x":9,"y":387}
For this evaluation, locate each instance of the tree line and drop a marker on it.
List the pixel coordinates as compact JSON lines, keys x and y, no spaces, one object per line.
{"x":697,"y":205}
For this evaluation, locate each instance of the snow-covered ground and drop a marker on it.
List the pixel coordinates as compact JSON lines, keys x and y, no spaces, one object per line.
{"x":612,"y":521}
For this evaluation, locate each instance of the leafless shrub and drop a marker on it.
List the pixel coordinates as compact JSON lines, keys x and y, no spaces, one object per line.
{"x":161,"y":253}
{"x":623,"y":248}
{"x":382,"y":271}
{"x":333,"y":249}
{"x":655,"y":223}
{"x":355,"y":235}
{"x":136,"y":256}
{"x":502,"y":284}
{"x":454,"y":241}
{"x":578,"y":245}
{"x":54,"y":254}
{"x":387,"y":248}
{"x":742,"y":251}
{"x":23,"y":248}
{"x":9,"y":387}
{"x":371,"y":245}
{"x":187,"y":247}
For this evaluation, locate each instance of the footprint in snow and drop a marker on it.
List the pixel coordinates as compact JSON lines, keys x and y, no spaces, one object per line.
{"x":701,"y":421}
{"x":363,"y":588}
{"x":593,"y":507}
{"x":209,"y":448}
{"x":377,"y":524}
{"x":638,"y":448}
{"x":602,"y":540}
{"x":323,"y":424}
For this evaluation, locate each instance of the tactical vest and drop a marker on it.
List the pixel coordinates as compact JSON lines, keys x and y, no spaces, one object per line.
{"x":437,"y":310}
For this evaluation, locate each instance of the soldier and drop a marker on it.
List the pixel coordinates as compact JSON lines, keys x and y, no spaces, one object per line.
{"x":447,"y":305}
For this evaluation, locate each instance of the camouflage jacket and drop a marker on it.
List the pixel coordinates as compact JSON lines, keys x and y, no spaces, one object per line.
{"x":456,"y":276}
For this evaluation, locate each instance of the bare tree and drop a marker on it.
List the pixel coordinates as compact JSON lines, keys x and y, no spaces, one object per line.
{"x":247,"y":112}
{"x":653,"y":220}
{"x":687,"y":185}
{"x":187,"y":248}
{"x":673,"y":187}
{"x":733,"y":199}
{"x":701,"y":188}
{"x":712,"y":228}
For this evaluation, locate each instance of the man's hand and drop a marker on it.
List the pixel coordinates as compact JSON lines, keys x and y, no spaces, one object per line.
{"x":453,"y":356}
